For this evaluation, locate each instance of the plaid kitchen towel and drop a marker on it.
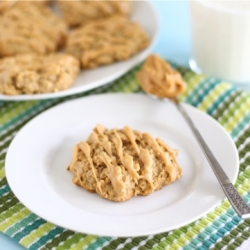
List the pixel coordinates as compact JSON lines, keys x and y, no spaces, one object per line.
{"x":220,"y":229}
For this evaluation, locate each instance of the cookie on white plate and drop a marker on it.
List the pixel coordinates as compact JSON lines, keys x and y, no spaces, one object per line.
{"x":29,"y":28}
{"x":77,"y":13}
{"x":121,"y":163}
{"x":36,"y":74}
{"x":106,"y":41}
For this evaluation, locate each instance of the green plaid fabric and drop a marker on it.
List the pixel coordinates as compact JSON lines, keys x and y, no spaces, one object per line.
{"x":220,"y":229}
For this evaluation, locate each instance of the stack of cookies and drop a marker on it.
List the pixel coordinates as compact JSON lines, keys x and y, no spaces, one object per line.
{"x":42,"y":52}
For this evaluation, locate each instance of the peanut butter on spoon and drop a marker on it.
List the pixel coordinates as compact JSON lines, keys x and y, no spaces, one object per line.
{"x":157,"y":77}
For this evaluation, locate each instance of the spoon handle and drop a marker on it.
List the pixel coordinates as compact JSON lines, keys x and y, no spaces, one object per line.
{"x":231,"y":193}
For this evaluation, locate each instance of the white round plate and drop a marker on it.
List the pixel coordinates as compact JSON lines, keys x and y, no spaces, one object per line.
{"x":143,"y":13}
{"x":38,"y":156}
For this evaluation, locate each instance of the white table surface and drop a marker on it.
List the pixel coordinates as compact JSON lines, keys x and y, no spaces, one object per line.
{"x":174,"y":44}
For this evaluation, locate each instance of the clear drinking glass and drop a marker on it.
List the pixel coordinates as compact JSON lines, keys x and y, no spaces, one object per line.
{"x":221,"y":39}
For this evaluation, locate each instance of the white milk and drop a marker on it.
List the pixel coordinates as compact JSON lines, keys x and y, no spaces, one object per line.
{"x":221,"y":38}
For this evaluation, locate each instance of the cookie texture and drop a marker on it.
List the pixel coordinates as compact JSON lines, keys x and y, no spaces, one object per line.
{"x":121,"y":163}
{"x":6,"y":5}
{"x":35,"y":74}
{"x":106,"y":41}
{"x":29,"y":28}
{"x":83,"y":11}
{"x":157,"y":77}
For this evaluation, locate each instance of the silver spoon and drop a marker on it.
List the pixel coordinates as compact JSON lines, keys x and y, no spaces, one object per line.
{"x":240,"y":206}
{"x":153,"y":84}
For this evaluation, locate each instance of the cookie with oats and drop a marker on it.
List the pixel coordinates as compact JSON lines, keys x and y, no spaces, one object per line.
{"x":106,"y":41}
{"x":121,"y":163}
{"x":36,"y":74}
{"x":8,"y":4}
{"x":81,"y":12}
{"x":28,"y":28}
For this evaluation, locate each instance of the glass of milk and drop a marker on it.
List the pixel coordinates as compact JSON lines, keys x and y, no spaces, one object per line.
{"x":221,"y":39}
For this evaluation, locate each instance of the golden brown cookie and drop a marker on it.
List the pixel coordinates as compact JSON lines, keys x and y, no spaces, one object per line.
{"x":157,"y":77}
{"x":106,"y":41}
{"x":83,"y":11}
{"x":30,"y":29}
{"x":5,"y":5}
{"x":35,"y":74}
{"x":121,"y":163}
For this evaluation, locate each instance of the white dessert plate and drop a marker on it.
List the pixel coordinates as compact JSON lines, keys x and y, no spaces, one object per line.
{"x":38,"y":156}
{"x":143,"y":13}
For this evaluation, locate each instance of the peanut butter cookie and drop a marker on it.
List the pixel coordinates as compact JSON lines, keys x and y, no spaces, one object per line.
{"x":81,"y":12}
{"x":35,"y":74}
{"x":28,"y":28}
{"x":6,"y":5}
{"x":121,"y":163}
{"x":106,"y":41}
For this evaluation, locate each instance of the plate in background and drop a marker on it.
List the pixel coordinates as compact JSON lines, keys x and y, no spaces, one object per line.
{"x":143,"y":13}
